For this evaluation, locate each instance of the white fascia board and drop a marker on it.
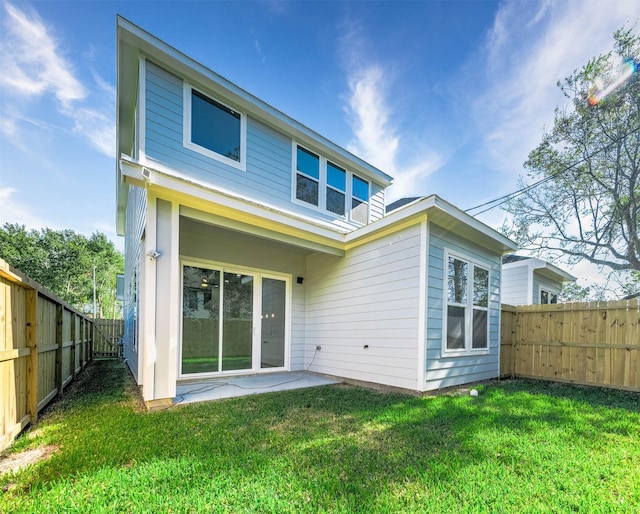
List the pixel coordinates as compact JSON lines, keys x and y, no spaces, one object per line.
{"x":445,"y":214}
{"x":136,"y":40}
{"x":548,"y":270}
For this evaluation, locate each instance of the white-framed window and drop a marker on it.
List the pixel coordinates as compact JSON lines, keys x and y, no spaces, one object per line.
{"x":214,"y":129}
{"x":324,"y":185}
{"x":466,"y":327}
{"x":547,"y":297}
{"x":359,"y":200}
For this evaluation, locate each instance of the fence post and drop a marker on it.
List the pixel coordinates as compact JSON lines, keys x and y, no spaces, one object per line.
{"x":59,"y":338}
{"x":32,"y":343}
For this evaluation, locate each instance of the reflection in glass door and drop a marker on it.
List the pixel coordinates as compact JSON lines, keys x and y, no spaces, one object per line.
{"x":200,"y":320}
{"x":221,"y":324}
{"x":273,"y":323}
{"x":237,"y":331}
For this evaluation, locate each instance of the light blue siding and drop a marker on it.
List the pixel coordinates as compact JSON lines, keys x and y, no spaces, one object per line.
{"x":445,"y":371}
{"x":363,"y":311}
{"x":268,"y":176}
{"x":136,"y":219}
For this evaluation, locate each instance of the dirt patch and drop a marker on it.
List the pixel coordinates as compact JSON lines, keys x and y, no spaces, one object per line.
{"x":13,"y":462}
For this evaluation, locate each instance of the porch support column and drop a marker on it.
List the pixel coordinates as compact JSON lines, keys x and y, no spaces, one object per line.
{"x":167,"y":302}
{"x":147,"y":323}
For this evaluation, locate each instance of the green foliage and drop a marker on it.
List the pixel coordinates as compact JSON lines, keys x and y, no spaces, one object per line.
{"x":63,"y":262}
{"x":587,"y":204}
{"x":520,"y":446}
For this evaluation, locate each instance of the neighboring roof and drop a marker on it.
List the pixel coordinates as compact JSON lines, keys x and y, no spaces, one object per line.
{"x":132,"y":42}
{"x":543,"y":267}
{"x":401,"y":203}
{"x":507,"y":259}
{"x":631,"y":296}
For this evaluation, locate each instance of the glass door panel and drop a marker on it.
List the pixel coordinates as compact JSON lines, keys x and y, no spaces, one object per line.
{"x":200,"y":320}
{"x":273,"y":323}
{"x":237,"y":327}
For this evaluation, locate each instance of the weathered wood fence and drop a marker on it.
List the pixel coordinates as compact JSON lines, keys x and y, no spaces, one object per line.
{"x":107,"y":337}
{"x":595,"y":343}
{"x":44,"y":344}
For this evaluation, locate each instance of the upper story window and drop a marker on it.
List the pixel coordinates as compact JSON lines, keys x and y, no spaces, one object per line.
{"x":307,"y":176}
{"x":322,"y":184}
{"x":467,"y":300}
{"x":214,"y":129}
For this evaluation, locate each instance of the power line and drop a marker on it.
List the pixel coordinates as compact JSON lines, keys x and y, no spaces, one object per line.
{"x":505,"y":198}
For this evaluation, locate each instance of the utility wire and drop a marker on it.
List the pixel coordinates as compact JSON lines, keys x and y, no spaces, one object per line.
{"x":505,"y":198}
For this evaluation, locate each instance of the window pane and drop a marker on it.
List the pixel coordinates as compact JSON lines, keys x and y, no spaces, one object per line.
{"x":360,"y":189}
{"x":201,"y":320}
{"x":336,"y":177}
{"x":554,"y":298}
{"x":544,"y":297}
{"x":237,"y":321}
{"x":308,"y":163}
{"x":480,"y":287}
{"x":479,"y":329}
{"x":214,"y":126}
{"x":335,"y":201}
{"x":455,"y":328}
{"x":359,"y":211}
{"x":272,"y":339}
{"x":457,"y":281}
{"x":306,"y":190}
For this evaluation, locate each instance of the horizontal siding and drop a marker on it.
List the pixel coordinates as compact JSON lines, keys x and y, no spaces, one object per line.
{"x":135,"y":224}
{"x":268,"y":176}
{"x":515,"y":285}
{"x":546,"y":284}
{"x":367,"y":298}
{"x":445,"y":371}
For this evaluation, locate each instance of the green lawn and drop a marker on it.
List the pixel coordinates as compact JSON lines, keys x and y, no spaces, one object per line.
{"x":520,"y":446}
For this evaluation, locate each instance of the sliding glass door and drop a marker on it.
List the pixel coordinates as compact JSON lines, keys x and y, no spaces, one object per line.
{"x":232,"y":321}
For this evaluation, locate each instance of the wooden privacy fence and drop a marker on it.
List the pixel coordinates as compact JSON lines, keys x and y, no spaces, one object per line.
{"x":107,"y":337}
{"x":44,"y":344}
{"x":595,"y":343}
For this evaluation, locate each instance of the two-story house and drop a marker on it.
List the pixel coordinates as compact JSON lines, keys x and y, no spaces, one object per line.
{"x":254,"y":245}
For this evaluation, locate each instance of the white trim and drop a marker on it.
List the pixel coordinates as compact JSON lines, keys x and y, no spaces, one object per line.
{"x":258,"y":274}
{"x":187,"y":90}
{"x":175,"y":302}
{"x":148,"y":313}
{"x":422,"y":304}
{"x":550,"y":291}
{"x":469,"y":307}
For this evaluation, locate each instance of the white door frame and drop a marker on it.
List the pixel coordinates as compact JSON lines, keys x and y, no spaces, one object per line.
{"x":258,"y":275}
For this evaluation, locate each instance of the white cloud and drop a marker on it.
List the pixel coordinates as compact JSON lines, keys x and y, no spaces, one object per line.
{"x":32,"y":64}
{"x":377,"y":139}
{"x":530,"y":47}
{"x":14,"y":211}
{"x":31,"y":60}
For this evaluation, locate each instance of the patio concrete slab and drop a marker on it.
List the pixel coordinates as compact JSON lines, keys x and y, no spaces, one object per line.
{"x":229,"y":387}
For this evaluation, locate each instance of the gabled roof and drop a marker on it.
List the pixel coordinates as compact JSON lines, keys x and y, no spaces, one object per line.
{"x":401,"y":203}
{"x":133,"y":42}
{"x":544,"y":268}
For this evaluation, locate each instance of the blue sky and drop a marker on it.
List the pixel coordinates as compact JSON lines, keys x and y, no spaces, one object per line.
{"x":449,"y":97}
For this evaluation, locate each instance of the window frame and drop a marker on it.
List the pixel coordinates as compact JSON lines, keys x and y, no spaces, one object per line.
{"x":187,"y":142}
{"x":469,"y":306}
{"x":323,"y":185}
{"x":550,"y":294}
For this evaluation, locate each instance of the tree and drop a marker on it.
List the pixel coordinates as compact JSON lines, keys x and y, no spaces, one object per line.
{"x":586,"y":199}
{"x":63,"y":262}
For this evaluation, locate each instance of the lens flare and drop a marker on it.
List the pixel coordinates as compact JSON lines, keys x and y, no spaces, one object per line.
{"x":599,"y":92}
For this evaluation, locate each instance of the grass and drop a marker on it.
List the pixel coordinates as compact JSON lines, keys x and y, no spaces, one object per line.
{"x":520,"y":446}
